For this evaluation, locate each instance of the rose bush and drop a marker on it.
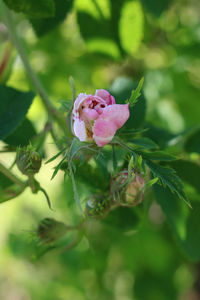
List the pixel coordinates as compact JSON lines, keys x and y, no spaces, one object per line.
{"x":98,"y":117}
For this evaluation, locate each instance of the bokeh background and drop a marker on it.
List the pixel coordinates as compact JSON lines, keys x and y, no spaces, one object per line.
{"x":104,"y":44}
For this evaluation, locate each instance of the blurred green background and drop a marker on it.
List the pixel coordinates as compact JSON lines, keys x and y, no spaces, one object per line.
{"x":105,"y":44}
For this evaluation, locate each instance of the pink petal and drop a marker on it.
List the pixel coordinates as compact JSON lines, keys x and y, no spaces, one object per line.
{"x":116,"y":113}
{"x":88,"y":113}
{"x":105,"y":95}
{"x":81,"y":97}
{"x":103,"y":131}
{"x":80,"y":130}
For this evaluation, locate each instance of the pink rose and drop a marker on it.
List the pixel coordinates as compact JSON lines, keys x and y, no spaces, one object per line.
{"x":98,"y":117}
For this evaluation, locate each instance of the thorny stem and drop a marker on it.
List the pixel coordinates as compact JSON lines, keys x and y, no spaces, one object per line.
{"x":11,"y":176}
{"x":8,"y":20}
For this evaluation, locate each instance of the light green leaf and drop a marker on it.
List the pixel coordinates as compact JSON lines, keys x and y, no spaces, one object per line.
{"x":136,"y":93}
{"x":131,"y":25}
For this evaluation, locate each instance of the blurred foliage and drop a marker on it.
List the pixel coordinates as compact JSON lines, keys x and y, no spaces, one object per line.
{"x":148,"y":252}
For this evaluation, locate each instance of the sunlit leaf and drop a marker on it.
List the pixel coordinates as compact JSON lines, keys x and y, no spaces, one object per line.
{"x":131,"y":26}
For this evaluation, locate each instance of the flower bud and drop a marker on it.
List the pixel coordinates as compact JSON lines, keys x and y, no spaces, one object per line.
{"x":97,"y":206}
{"x":28,"y":161}
{"x":127,"y":189}
{"x":50,"y":230}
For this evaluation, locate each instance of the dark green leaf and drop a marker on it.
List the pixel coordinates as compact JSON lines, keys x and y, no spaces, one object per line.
{"x":32,"y":8}
{"x":158,"y":155}
{"x":188,"y":171}
{"x":14,"y":105}
{"x":156,"y":7}
{"x":192,"y":144}
{"x":144,"y":142}
{"x":22,"y":135}
{"x":43,"y":26}
{"x":183,"y":221}
{"x":159,"y":135}
{"x":8,"y":189}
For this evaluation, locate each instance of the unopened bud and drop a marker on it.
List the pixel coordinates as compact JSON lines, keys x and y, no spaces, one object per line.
{"x":28,"y":161}
{"x":97,"y":206}
{"x":50,"y":230}
{"x":127,"y":189}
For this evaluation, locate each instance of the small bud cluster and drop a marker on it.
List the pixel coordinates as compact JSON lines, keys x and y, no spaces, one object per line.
{"x":50,"y":230}
{"x":97,"y":206}
{"x":127,"y":189}
{"x":28,"y":161}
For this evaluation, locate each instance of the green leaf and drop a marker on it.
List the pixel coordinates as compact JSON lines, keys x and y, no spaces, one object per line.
{"x":168,"y":178}
{"x":192,"y":143}
{"x":22,"y":135}
{"x":156,"y":7}
{"x":144,"y":143}
{"x":55,"y":156}
{"x":8,"y":189}
{"x":121,"y":89}
{"x":14,"y":105}
{"x":44,"y":26}
{"x":76,"y":146}
{"x":183,"y":221}
{"x":95,"y":178}
{"x":150,"y":183}
{"x":131,"y":25}
{"x":32,"y":8}
{"x":110,"y":27}
{"x":188,"y":172}
{"x":158,"y":155}
{"x":98,"y":23}
{"x":159,"y":135}
{"x":135,"y":93}
{"x":57,"y":168}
